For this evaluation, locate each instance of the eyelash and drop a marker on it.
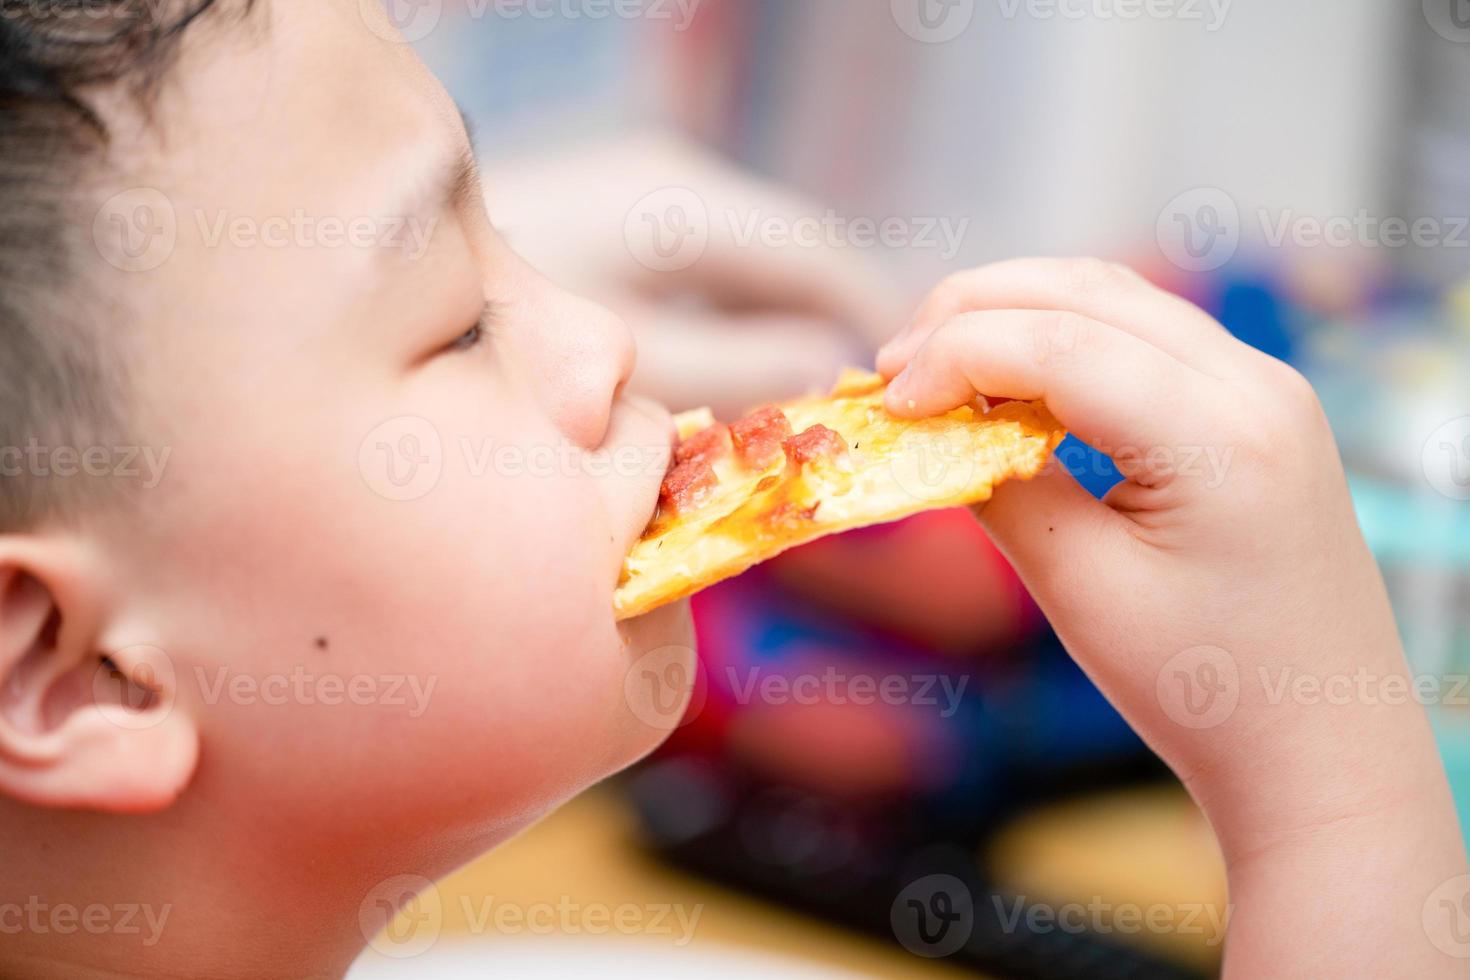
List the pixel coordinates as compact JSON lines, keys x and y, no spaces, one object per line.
{"x":471,"y":338}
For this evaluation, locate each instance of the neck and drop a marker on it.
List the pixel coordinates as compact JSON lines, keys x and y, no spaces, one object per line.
{"x":92,"y":895}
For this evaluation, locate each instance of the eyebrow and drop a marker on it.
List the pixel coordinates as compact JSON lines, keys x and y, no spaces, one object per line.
{"x":458,"y":179}
{"x":448,"y":187}
{"x":453,"y":187}
{"x":464,"y":177}
{"x":463,"y":180}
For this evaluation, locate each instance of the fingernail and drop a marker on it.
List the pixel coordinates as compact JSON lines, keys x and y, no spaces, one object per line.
{"x":883,"y":364}
{"x":897,"y":395}
{"x":894,"y":356}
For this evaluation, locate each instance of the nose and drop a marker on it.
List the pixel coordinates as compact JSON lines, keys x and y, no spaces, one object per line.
{"x":579,"y":355}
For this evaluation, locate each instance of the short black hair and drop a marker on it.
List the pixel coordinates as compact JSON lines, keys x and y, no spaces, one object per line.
{"x":62,"y":363}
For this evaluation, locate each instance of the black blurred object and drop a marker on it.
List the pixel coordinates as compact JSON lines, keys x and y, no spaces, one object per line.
{"x":1028,"y":728}
{"x":871,"y":866}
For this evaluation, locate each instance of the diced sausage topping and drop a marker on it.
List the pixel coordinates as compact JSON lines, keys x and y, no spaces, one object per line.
{"x":787,"y":515}
{"x":708,"y":444}
{"x":687,"y":484}
{"x":758,"y":436}
{"x":818,"y":442}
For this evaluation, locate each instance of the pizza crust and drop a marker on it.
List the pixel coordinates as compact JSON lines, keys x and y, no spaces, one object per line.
{"x":892,"y":468}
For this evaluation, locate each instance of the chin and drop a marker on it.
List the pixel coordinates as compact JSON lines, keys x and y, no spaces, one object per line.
{"x":669,"y":625}
{"x":654,"y":683}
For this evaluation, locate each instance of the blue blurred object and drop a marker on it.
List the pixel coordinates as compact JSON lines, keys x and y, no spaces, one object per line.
{"x":1024,"y":719}
{"x":1093,"y":469}
{"x":1252,"y":310}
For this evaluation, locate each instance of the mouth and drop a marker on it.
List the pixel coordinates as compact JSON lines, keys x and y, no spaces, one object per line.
{"x":653,"y":436}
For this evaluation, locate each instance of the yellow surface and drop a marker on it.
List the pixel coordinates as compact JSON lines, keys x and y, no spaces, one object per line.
{"x":584,"y":855}
{"x":1144,"y":847}
{"x":1146,"y":850}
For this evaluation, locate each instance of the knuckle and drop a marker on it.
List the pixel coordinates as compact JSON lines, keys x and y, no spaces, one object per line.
{"x":949,"y":340}
{"x":1059,"y":335}
{"x":1124,"y":275}
{"x":1294,"y":391}
{"x":1090,"y":276}
{"x":1296,"y":422}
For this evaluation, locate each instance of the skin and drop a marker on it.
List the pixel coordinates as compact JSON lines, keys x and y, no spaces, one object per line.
{"x":269,"y":546}
{"x":1334,"y":817}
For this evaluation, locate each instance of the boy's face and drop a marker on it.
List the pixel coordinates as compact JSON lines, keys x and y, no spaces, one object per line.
{"x":382,"y":552}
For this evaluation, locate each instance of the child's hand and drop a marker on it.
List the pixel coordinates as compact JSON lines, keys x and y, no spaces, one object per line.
{"x":1200,"y":592}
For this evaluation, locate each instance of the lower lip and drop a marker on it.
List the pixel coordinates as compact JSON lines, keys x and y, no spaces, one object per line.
{"x":656,"y":412}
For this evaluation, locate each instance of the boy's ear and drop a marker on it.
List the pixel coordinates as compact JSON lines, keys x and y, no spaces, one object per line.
{"x":81,"y":725}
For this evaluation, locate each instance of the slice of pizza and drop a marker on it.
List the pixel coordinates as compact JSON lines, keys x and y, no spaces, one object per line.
{"x":738,"y":494}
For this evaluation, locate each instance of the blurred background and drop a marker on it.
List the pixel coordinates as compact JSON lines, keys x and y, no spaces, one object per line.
{"x":890,"y":767}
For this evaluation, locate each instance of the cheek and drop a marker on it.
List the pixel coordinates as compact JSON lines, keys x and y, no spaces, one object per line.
{"x":476,"y":607}
{"x":498,"y":584}
{"x":538,"y":693}
{"x":544,"y":671}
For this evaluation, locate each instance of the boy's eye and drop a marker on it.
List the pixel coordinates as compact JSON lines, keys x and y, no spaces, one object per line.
{"x":471,"y":337}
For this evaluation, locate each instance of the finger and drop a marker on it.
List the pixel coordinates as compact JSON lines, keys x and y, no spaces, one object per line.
{"x":1101,"y":290}
{"x":1116,"y":392}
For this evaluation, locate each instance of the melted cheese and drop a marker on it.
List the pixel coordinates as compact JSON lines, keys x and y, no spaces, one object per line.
{"x":894,"y":468}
